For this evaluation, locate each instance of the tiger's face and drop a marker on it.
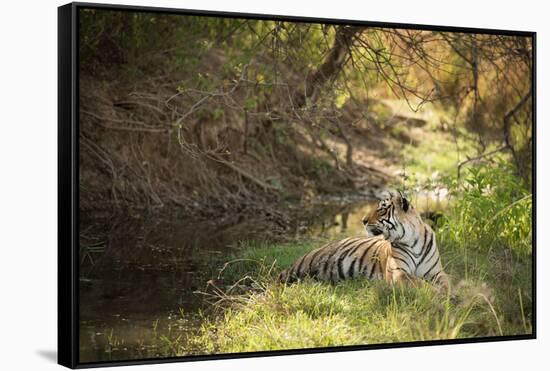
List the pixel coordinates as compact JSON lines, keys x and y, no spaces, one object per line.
{"x":394,"y":218}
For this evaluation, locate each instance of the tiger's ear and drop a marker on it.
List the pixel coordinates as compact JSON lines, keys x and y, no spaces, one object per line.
{"x":404,"y":204}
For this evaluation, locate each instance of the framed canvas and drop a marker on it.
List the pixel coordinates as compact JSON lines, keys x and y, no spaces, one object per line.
{"x":241,"y":185}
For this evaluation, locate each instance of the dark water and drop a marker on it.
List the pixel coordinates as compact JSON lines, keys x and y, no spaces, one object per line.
{"x":139,"y":276}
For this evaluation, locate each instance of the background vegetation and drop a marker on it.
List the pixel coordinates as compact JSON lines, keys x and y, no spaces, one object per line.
{"x":222,"y":119}
{"x":209,"y":113}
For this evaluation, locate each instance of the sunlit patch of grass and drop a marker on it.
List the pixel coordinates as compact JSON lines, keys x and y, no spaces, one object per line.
{"x":313,"y":314}
{"x":436,"y":152}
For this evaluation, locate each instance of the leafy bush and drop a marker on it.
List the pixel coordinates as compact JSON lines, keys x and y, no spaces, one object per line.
{"x":492,"y":209}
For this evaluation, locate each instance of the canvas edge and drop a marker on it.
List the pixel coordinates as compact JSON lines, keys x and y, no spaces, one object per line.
{"x":68,"y":305}
{"x":67,"y":252}
{"x":305,"y":19}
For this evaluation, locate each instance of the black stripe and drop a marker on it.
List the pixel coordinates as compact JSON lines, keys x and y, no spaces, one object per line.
{"x":392,"y":225}
{"x":364,"y":255}
{"x":334,"y":252}
{"x":426,"y":241}
{"x":342,"y":258}
{"x":432,"y":267}
{"x":292,"y":269}
{"x":351,"y":270}
{"x":402,"y":234}
{"x":340,"y":261}
{"x":341,"y":251}
{"x":404,"y":261}
{"x":340,"y":265}
{"x":352,"y":251}
{"x":425,"y":237}
{"x":301,"y":262}
{"x":313,"y":258}
{"x":426,"y":249}
{"x":405,"y":250}
{"x":374,"y":261}
{"x":415,"y":241}
{"x":436,"y":276}
{"x":344,"y":250}
{"x":390,"y":219}
{"x":353,"y":240}
{"x":356,"y":261}
{"x":372,"y":270}
{"x":434,"y":250}
{"x":324,"y":269}
{"x":334,"y":274}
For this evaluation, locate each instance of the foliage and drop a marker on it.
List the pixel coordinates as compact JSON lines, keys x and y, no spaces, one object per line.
{"x":239,"y":88}
{"x":492,"y":209}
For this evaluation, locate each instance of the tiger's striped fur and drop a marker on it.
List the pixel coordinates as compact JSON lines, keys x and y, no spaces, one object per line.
{"x":347,"y":258}
{"x":399,"y":248}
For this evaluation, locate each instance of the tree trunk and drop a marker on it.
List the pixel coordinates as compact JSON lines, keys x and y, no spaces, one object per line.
{"x":331,"y":66}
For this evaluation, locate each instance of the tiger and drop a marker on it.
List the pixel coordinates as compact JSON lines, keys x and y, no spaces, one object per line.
{"x":399,"y":248}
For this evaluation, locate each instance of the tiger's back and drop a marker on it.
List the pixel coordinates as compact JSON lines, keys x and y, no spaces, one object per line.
{"x":343,"y":259}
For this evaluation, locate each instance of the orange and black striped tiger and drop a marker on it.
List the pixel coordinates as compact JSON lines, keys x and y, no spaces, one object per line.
{"x":399,"y":248}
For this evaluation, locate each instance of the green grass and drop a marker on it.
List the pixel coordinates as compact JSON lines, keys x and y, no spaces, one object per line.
{"x":261,"y":314}
{"x":263,"y":259}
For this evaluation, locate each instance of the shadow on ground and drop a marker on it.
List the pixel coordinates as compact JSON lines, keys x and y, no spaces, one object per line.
{"x":50,"y":355}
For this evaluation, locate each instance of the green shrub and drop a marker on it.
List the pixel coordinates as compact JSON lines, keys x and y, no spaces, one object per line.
{"x":492,"y":209}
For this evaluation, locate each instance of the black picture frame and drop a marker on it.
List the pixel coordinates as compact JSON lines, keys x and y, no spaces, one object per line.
{"x":68,"y":177}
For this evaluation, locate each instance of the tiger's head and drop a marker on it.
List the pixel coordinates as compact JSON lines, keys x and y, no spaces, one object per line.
{"x":394,"y":218}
